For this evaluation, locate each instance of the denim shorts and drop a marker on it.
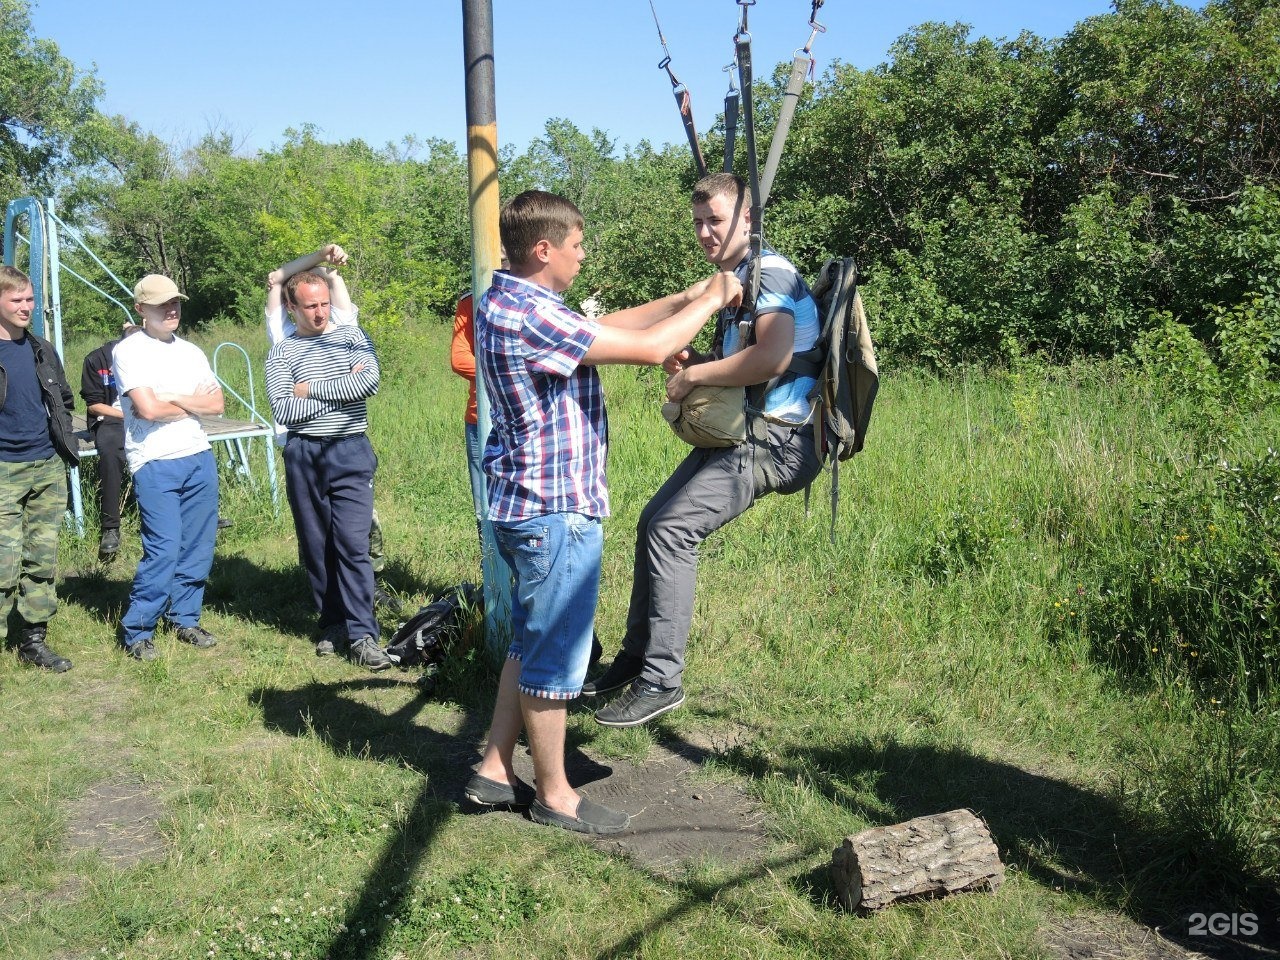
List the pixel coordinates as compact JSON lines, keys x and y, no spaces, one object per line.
{"x":555,"y":562}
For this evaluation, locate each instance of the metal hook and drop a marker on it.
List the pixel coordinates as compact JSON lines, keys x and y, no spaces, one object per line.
{"x":732,"y":71}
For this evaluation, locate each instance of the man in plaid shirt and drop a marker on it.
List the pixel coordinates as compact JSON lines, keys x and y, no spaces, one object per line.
{"x":545,"y":465}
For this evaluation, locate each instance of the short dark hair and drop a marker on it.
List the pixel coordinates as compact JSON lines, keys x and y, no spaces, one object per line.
{"x":11,"y":278}
{"x":298,"y":279}
{"x":719,"y":184}
{"x":532,"y":216}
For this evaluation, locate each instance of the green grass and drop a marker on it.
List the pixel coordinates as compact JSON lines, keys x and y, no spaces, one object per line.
{"x":912,"y":667}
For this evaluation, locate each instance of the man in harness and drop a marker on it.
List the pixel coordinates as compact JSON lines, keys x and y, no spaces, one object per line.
{"x":753,"y":349}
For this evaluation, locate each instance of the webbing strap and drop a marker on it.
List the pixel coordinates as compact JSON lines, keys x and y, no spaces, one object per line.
{"x":801,"y":66}
{"x":790,"y":97}
{"x":742,"y":44}
{"x":684,"y":102}
{"x":731,"y":101}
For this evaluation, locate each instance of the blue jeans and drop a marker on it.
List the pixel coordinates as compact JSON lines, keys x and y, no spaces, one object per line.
{"x":475,"y":471}
{"x":178,"y":505}
{"x":555,"y":561}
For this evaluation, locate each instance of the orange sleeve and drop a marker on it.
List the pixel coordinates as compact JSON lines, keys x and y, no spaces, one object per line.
{"x":462,"y":350}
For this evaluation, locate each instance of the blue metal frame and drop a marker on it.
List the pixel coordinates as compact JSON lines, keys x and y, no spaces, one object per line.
{"x":36,"y":260}
{"x":261,"y":426}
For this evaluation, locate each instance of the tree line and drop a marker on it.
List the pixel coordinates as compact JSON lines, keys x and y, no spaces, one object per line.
{"x":1059,"y":196}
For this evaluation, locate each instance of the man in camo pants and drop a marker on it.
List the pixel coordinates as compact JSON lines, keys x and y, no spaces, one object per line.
{"x":36,"y":443}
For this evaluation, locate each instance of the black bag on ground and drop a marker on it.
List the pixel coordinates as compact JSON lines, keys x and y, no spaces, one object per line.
{"x":425,"y":638}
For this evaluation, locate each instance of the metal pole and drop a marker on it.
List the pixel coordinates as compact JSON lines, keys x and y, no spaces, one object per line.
{"x":482,"y":163}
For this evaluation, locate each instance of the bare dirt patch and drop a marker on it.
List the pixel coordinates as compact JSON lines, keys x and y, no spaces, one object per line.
{"x":678,"y":816}
{"x":120,"y":820}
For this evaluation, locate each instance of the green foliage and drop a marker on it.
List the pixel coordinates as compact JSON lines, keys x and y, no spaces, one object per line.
{"x":964,"y":537}
{"x":219,"y":222}
{"x":1193,"y":591}
{"x":44,"y":98}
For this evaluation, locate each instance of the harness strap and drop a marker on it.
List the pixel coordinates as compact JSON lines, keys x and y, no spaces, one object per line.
{"x":801,"y":66}
{"x":742,"y":44}
{"x":731,"y":102}
{"x":684,"y":102}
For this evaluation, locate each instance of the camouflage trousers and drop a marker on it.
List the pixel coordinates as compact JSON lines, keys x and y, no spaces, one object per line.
{"x":33,"y":499}
{"x":376,"y":553}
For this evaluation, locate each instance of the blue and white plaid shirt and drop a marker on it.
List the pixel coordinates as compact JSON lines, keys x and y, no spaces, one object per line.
{"x":546,"y":453}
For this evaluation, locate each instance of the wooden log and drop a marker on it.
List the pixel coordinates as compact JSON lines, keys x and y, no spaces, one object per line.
{"x":925,"y":857}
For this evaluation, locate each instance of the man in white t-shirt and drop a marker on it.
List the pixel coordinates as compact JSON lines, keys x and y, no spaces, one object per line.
{"x":342,"y":312}
{"x":165,"y":386}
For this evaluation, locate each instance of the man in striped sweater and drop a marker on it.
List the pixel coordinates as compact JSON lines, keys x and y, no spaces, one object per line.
{"x":318,"y":380}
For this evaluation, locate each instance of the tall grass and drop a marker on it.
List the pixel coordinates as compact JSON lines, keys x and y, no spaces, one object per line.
{"x":920,"y":663}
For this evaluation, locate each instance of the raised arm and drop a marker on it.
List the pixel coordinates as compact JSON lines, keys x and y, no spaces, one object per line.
{"x":660,"y":338}
{"x":331,"y":254}
{"x":655,"y":311}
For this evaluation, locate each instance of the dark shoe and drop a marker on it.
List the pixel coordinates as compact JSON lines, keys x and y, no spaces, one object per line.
{"x":34,"y":651}
{"x":109,"y":545}
{"x":365,"y":652}
{"x":591,"y":817}
{"x":597,"y":651}
{"x":223,"y":523}
{"x":382,"y":600}
{"x":624,"y":669}
{"x":641,"y":703}
{"x":143,"y":650}
{"x":197,"y":637}
{"x":484,"y":792}
{"x":330,"y":640}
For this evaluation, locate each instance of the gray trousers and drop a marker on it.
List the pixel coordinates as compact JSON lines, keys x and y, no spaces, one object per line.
{"x":708,"y":489}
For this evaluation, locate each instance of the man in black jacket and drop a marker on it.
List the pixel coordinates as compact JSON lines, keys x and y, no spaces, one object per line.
{"x":36,"y":441}
{"x":106,"y":423}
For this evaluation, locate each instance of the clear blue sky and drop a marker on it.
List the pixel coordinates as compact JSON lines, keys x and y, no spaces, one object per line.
{"x":383,"y":69}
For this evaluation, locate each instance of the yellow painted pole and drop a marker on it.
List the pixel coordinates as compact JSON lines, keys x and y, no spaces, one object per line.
{"x":484,"y":203}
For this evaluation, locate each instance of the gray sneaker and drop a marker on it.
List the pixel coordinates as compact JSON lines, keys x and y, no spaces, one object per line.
{"x":331,"y":639}
{"x":198,"y":637}
{"x":143,"y":650}
{"x":365,"y":652}
{"x":641,"y":703}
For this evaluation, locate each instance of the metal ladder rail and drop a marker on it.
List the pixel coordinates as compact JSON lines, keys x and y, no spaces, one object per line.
{"x":268,"y":437}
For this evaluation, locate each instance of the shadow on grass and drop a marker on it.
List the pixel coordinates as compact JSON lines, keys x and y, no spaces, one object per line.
{"x":353,"y":728}
{"x":279,"y":599}
{"x":1063,"y":836}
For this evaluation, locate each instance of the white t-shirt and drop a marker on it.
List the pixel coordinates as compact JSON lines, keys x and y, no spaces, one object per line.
{"x":280,"y":327}
{"x":173,"y":366}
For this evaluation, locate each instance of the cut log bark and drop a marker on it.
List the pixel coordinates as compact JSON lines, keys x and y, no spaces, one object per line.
{"x":925,"y":857}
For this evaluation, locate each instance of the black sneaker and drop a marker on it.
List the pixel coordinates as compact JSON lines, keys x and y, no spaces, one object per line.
{"x":365,"y":652}
{"x":624,"y":669}
{"x":109,"y":545}
{"x":143,"y":650}
{"x":641,"y":703}
{"x":197,"y":637}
